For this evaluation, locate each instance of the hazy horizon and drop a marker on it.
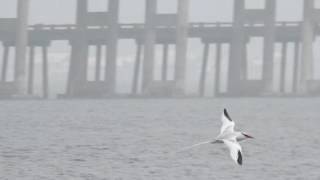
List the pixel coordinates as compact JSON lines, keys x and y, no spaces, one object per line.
{"x":45,"y":11}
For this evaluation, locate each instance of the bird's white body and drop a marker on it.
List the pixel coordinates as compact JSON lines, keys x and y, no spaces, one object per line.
{"x":229,"y":137}
{"x":227,"y":131}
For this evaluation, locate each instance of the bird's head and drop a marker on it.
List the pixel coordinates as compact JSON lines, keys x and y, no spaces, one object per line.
{"x":247,"y":135}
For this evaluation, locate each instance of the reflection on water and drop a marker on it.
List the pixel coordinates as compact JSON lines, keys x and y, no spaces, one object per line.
{"x":132,"y":139}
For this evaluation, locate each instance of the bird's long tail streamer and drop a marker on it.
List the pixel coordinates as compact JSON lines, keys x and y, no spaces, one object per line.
{"x":175,"y":152}
{"x":190,"y":147}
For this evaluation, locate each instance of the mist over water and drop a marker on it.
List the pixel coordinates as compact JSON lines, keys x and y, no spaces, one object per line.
{"x":133,"y":139}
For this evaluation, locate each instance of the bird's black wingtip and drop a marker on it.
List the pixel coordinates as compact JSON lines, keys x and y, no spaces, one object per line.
{"x":225,"y":112}
{"x":239,"y":160}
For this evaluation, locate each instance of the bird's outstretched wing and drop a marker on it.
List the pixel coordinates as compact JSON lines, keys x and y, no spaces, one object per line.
{"x":227,"y":123}
{"x":235,"y":150}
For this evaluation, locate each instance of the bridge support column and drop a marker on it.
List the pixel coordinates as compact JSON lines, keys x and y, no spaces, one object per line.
{"x":111,"y":65}
{"x":79,"y":54}
{"x":45,"y":73}
{"x":296,"y":66}
{"x":283,"y":67}
{"x":31,"y":70}
{"x":149,"y":46}
{"x":268,"y":51}
{"x":244,"y":64}
{"x":202,"y":82}
{"x":77,"y":68}
{"x":306,"y":70}
{"x":217,"y":78}
{"x":71,"y":73}
{"x":165,"y":62}
{"x":98,"y":63}
{"x":236,"y":49}
{"x":5,"y":63}
{"x":136,"y":72}
{"x":21,"y":45}
{"x":182,"y":44}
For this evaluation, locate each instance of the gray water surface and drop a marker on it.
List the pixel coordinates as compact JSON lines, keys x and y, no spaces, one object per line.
{"x":134,"y":139}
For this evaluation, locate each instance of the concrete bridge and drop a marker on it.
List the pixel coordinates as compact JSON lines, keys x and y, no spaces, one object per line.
{"x":102,"y":29}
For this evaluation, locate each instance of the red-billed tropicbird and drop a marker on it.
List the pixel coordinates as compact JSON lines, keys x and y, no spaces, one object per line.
{"x":229,"y":137}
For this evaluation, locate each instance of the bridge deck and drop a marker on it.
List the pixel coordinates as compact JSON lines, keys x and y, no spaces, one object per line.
{"x":211,"y":32}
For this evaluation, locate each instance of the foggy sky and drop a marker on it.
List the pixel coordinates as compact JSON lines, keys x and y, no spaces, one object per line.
{"x":63,"y":11}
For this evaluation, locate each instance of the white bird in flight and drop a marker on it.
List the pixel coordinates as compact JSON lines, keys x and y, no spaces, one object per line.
{"x":229,"y":137}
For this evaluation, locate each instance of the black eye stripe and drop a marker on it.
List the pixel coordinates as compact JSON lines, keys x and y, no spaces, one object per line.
{"x":246,"y":135}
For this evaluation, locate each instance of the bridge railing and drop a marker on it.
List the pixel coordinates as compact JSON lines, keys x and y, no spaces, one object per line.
{"x":52,"y":27}
{"x":141,"y":25}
